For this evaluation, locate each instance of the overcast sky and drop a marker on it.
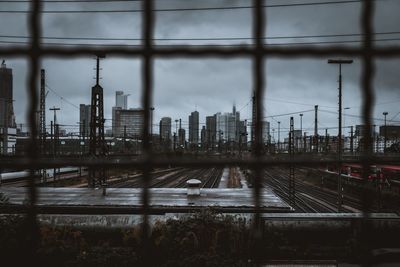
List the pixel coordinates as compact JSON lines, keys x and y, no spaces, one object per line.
{"x":210,"y":85}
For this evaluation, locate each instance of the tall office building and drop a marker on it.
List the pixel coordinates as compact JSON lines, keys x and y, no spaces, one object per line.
{"x":194,"y":127}
{"x":7,"y":119}
{"x":84,"y":120}
{"x":203,"y":136}
{"x":129,"y":122}
{"x":165,"y":129}
{"x":228,"y":126}
{"x":121,"y":103}
{"x":121,"y":100}
{"x":266,"y":136}
{"x":362,"y":129}
{"x":211,"y":131}
{"x":181,"y":135}
{"x":242,"y":132}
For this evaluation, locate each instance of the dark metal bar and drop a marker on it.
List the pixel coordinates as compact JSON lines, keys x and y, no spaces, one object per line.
{"x":187,"y":51}
{"x":32,"y":82}
{"x":258,"y":80}
{"x":368,"y":71}
{"x":147,"y":80}
{"x":292,"y":190}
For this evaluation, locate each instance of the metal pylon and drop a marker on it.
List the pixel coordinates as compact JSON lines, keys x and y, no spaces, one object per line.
{"x":42,"y":112}
{"x":292,"y":190}
{"x":97,"y":145}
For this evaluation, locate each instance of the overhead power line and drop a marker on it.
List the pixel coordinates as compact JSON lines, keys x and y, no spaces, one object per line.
{"x":354,"y":116}
{"x":191,"y":9}
{"x":204,"y":45}
{"x":199,"y":39}
{"x":62,"y":98}
{"x":285,"y":114}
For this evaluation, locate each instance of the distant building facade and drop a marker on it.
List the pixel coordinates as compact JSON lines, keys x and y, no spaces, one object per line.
{"x":211,"y":131}
{"x":121,"y":100}
{"x":165,"y":129}
{"x":361,"y":130}
{"x":124,"y":120}
{"x":266,"y":136}
{"x":229,"y":127}
{"x":203,"y":137}
{"x":194,"y":128}
{"x":129,"y":122}
{"x":7,"y":118}
{"x":391,"y":131}
{"x":84,"y":119}
{"x":181,"y":135}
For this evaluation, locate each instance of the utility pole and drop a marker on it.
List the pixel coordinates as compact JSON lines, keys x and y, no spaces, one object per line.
{"x":340,"y":188}
{"x":54,"y":109}
{"x":351,"y":140}
{"x":84,"y":136}
{"x":292,"y":191}
{"x":53,"y":129}
{"x":316,"y":129}
{"x":151,"y":124}
{"x":253,"y":122}
{"x":301,"y":126}
{"x":124,"y":138}
{"x":97,"y":147}
{"x":176,"y":134}
{"x":385,"y":132}
{"x":326,"y":141}
{"x":279,"y":136}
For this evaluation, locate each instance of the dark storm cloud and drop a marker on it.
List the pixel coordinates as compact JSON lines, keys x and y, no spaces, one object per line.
{"x":212,"y":85}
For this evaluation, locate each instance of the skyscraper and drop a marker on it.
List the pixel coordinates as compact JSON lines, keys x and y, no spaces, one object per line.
{"x":129,"y":121}
{"x":226,"y":126}
{"x":203,"y":137}
{"x":121,"y":103}
{"x":211,"y":131}
{"x":121,"y":100}
{"x":181,"y":135}
{"x":7,"y":120}
{"x":84,"y":120}
{"x":266,"y":136}
{"x":165,"y":129}
{"x":6,"y":97}
{"x":194,"y":128}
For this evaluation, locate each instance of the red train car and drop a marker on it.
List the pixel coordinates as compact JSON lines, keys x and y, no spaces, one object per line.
{"x":356,"y":170}
{"x":390,"y":172}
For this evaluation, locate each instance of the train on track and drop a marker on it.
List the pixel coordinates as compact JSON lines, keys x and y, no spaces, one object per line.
{"x":381,"y":172}
{"x":20,"y":175}
{"x":389,"y":174}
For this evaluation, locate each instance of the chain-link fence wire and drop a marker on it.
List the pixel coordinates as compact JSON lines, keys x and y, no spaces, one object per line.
{"x":258,"y":52}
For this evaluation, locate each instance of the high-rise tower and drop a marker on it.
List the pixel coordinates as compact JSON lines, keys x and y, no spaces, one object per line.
{"x":7,"y":118}
{"x":6,"y":97}
{"x":194,"y":128}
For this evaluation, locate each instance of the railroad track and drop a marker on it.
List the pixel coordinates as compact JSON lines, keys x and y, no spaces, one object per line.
{"x":281,"y":189}
{"x":213,"y":179}
{"x":137,"y":180}
{"x":210,"y":178}
{"x":23,"y":181}
{"x":308,"y":198}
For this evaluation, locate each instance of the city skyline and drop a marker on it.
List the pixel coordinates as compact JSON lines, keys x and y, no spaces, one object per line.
{"x":210,"y":84}
{"x":327,"y":114}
